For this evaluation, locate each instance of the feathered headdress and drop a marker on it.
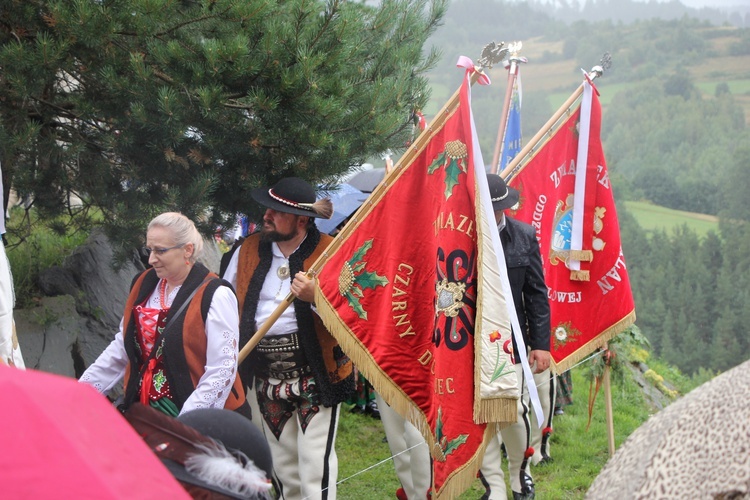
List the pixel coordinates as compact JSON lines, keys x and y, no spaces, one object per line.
{"x":235,"y":463}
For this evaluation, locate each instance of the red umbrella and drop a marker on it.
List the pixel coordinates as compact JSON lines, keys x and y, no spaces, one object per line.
{"x":62,"y":439}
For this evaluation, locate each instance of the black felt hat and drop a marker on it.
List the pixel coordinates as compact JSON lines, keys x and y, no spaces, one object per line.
{"x":208,"y":450}
{"x":502,"y":195}
{"x":293,"y":195}
{"x":235,"y":474}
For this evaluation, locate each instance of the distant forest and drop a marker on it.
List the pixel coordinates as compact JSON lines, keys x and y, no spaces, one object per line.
{"x":665,"y":142}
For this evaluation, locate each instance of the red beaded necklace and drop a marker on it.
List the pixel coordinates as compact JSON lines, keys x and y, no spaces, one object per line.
{"x":163,"y":294}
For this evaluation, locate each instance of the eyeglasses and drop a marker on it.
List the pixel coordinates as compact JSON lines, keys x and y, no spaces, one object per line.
{"x":161,"y":251}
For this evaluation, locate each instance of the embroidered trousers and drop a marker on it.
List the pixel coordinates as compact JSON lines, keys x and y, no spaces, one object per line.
{"x":516,"y":438}
{"x":545,"y":385}
{"x":302,"y":436}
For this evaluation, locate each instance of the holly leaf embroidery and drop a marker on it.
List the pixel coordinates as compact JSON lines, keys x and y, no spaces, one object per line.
{"x":369,"y":279}
{"x":453,"y":169}
{"x":436,"y":163}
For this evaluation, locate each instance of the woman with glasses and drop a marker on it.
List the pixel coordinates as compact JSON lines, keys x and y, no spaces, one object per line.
{"x":177,"y":346}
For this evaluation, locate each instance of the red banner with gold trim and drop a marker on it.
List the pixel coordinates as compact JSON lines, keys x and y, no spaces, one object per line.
{"x":588,"y":286}
{"x":403,"y":293}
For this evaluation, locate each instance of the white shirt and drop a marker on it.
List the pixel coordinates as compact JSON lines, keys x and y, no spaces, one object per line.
{"x":272,"y":294}
{"x":222,"y":339}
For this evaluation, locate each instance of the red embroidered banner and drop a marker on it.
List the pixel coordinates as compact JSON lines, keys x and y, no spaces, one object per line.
{"x":403,"y":293}
{"x":591,"y":300}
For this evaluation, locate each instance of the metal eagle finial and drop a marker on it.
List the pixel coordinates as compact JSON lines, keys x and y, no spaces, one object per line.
{"x":492,"y":53}
{"x":604,"y":64}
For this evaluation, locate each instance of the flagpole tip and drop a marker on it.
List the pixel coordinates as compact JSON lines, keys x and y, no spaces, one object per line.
{"x":492,"y":53}
{"x":604,"y":64}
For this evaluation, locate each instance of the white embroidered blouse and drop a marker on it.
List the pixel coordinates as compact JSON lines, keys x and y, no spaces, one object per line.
{"x":222,"y":333}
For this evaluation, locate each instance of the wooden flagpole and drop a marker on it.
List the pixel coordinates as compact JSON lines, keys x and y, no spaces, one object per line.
{"x":608,"y":403}
{"x":513,"y":61}
{"x":520,"y":161}
{"x":525,"y":155}
{"x":491,"y":54}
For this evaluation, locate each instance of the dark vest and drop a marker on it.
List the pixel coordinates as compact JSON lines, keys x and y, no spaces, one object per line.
{"x":184,"y":339}
{"x":332,"y":369}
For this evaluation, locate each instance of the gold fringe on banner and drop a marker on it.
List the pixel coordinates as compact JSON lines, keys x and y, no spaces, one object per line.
{"x":462,"y":478}
{"x":498,"y":411}
{"x":595,"y":343}
{"x":363,"y":360}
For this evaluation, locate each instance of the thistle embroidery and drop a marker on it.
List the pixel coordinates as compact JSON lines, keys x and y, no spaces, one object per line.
{"x":447,"y":446}
{"x":454,"y":160}
{"x":354,"y":279}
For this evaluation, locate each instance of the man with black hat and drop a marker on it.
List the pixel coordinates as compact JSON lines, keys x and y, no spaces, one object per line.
{"x":301,"y":374}
{"x":526,"y":277}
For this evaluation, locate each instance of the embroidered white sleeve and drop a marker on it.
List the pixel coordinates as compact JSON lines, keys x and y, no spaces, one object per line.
{"x":222,"y":333}
{"x":109,"y":368}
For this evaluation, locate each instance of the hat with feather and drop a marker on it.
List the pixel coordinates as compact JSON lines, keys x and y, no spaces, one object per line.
{"x":214,"y":453}
{"x":293,"y":195}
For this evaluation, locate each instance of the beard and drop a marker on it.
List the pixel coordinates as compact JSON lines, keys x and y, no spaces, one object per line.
{"x":269,"y":235}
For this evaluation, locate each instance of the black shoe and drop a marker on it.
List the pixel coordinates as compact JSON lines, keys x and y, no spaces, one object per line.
{"x":357,"y":409}
{"x":372,"y":409}
{"x":522,"y":496}
{"x":527,"y":489}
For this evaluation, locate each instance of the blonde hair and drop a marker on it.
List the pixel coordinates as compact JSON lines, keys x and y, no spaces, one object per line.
{"x":183,"y":230}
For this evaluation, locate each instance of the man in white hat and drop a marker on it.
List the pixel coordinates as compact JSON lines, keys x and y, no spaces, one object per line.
{"x":300,"y":373}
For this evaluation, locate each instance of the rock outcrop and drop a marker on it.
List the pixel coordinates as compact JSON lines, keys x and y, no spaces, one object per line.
{"x":80,"y":314}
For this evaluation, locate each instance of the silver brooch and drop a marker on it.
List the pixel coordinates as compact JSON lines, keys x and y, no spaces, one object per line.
{"x":283,"y":271}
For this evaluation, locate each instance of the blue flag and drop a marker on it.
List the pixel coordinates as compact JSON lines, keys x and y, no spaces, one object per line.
{"x":512,"y":139}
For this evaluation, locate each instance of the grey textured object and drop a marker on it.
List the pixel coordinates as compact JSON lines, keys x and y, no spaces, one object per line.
{"x":698,"y":447}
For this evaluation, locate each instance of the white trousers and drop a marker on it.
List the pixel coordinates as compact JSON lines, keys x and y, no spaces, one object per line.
{"x":411,"y":457}
{"x":545,"y":385}
{"x":516,"y":438}
{"x":305,"y":464}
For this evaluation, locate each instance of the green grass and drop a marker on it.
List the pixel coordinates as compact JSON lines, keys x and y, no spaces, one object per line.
{"x":654,"y":217}
{"x":578,"y":454}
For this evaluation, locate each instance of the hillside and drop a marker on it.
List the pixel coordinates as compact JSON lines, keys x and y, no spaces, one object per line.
{"x":655,"y":218}
{"x":549,"y":72}
{"x":675,"y":133}
{"x":560,"y":77}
